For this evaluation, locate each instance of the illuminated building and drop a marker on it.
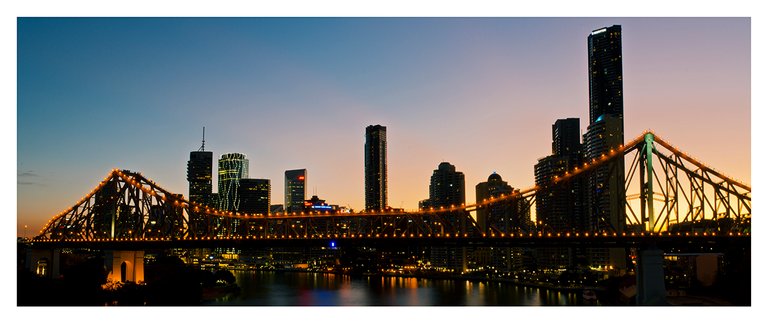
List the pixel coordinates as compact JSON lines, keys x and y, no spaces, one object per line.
{"x":606,"y":195}
{"x":375,"y":167}
{"x":200,"y":176}
{"x":254,"y":196}
{"x":315,"y":204}
{"x":605,"y":73}
{"x":295,"y":190}
{"x":232,"y":167}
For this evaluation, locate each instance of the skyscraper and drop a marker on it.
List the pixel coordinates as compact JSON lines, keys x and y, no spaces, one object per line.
{"x":375,"y":167}
{"x":494,"y":187}
{"x":605,"y":73}
{"x":566,"y":137}
{"x":200,"y":178}
{"x":254,"y":196}
{"x":232,"y":168}
{"x":446,"y":186}
{"x":606,"y":194}
{"x":295,"y":190}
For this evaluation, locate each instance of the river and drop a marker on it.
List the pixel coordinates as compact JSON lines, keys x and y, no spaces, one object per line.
{"x":321,"y":289}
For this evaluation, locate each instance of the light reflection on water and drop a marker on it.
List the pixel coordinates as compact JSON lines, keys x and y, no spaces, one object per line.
{"x":320,"y":289}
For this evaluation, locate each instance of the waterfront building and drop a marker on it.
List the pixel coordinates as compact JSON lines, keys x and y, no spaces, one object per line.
{"x":295,"y":190}
{"x":446,"y":189}
{"x":494,"y":187}
{"x":375,"y":167}
{"x":605,"y":197}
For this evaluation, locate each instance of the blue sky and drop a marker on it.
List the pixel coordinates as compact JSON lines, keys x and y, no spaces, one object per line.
{"x":102,"y":93}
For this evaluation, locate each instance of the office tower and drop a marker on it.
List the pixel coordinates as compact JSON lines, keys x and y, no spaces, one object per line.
{"x":254,"y":196}
{"x":606,"y":193}
{"x":295,"y":190}
{"x":200,"y":178}
{"x":232,"y":168}
{"x":446,"y":186}
{"x":375,"y":167}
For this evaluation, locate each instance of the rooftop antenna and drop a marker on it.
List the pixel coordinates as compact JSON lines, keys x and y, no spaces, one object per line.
{"x":202,"y":148}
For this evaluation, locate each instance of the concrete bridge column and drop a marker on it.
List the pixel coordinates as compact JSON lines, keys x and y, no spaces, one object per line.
{"x":650,"y":277}
{"x":44,"y":262}
{"x":125,"y":265}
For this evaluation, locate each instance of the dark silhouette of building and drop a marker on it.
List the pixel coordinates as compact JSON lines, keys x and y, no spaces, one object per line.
{"x":505,"y":216}
{"x":200,"y":178}
{"x":232,"y":168}
{"x":254,"y":195}
{"x":295,"y":190}
{"x":446,"y":189}
{"x":606,"y":195}
{"x":494,"y":187}
{"x":375,"y":167}
{"x":446,"y":186}
{"x":560,"y":207}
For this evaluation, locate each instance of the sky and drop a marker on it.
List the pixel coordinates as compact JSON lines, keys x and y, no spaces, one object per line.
{"x":95,"y":94}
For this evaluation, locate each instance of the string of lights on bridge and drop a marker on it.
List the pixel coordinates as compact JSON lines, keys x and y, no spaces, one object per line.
{"x":396,"y":236}
{"x":179,"y":201}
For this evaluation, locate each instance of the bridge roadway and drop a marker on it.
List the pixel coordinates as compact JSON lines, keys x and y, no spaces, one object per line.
{"x":693,"y":242}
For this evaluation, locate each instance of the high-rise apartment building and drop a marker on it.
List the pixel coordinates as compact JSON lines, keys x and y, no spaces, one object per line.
{"x":605,"y":189}
{"x":560,"y":207}
{"x":254,"y":196}
{"x":232,"y":168}
{"x":605,"y":73}
{"x":295,"y":190}
{"x":446,"y":186}
{"x":375,"y":167}
{"x":494,"y":187}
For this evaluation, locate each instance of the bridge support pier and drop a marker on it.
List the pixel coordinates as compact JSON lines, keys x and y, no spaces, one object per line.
{"x":650,"y":277}
{"x":125,"y":265}
{"x":44,"y":262}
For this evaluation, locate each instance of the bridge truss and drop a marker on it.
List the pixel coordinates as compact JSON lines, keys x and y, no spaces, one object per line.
{"x":666,"y":192}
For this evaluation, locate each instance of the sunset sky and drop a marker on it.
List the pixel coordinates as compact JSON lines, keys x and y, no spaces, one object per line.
{"x":480,"y":93}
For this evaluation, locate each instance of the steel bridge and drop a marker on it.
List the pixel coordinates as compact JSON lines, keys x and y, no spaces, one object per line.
{"x":670,"y":197}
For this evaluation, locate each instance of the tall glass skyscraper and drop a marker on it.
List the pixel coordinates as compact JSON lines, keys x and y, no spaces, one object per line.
{"x":605,"y":73}
{"x":200,"y":176}
{"x":254,"y":195}
{"x":232,"y":167}
{"x":295,"y":190}
{"x":606,"y":194}
{"x":375,"y":167}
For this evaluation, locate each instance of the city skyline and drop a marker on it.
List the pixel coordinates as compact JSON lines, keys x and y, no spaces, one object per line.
{"x":479,"y":133}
